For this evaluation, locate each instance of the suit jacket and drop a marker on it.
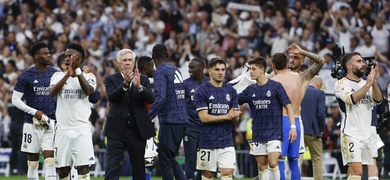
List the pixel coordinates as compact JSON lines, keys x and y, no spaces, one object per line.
{"x":128,"y":104}
{"x":313,"y":111}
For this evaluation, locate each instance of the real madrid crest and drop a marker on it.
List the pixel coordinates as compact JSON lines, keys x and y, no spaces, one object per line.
{"x":227,"y":97}
{"x":268,"y":94}
{"x":25,"y":145}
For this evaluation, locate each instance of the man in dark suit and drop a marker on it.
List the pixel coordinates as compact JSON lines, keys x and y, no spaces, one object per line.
{"x":313,"y":118}
{"x":128,"y":124}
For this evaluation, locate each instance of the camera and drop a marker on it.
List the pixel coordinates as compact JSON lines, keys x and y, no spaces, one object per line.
{"x":337,"y":70}
{"x":370,"y":62}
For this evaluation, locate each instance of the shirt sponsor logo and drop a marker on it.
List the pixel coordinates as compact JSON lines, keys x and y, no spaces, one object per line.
{"x":41,"y":90}
{"x":72,"y":93}
{"x":261,"y":104}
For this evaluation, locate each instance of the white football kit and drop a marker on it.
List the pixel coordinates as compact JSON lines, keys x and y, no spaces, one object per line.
{"x":355,"y":122}
{"x":73,"y":139}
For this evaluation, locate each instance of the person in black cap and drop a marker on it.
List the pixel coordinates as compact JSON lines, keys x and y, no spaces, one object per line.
{"x":170,"y":106}
{"x":39,"y":107}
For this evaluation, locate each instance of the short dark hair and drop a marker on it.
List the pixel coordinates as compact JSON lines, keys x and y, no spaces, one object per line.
{"x":200,"y":61}
{"x":279,"y":60}
{"x":160,"y":50}
{"x":60,"y":59}
{"x":78,"y":48}
{"x":144,"y":61}
{"x":36,"y":47}
{"x":346,"y":58}
{"x":214,"y":61}
{"x":259,"y":62}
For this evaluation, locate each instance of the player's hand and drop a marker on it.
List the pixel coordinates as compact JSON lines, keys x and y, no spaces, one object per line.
{"x":136,"y":79}
{"x":44,"y":121}
{"x":127,"y":77}
{"x":372,"y":76}
{"x":39,"y":114}
{"x":295,"y":49}
{"x":234,"y":113}
{"x":292,"y":135}
{"x":86,"y":69}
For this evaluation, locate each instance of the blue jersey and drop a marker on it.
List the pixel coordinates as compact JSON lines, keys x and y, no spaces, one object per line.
{"x":266,"y":103}
{"x":216,"y":101}
{"x":169,"y":92}
{"x":35,"y":87}
{"x":191,"y":85}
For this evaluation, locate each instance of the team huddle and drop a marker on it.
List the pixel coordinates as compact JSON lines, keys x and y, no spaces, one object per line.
{"x":200,"y":110}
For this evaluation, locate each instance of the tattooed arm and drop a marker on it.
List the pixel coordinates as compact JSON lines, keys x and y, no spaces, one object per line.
{"x":307,"y":75}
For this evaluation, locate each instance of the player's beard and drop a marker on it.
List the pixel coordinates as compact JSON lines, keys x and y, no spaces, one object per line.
{"x":359,"y":72}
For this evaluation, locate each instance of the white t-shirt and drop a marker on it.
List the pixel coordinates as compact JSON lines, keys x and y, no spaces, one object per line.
{"x":73,"y":107}
{"x":356,"y":116}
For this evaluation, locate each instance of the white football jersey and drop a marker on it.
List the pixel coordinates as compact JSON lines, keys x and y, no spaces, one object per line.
{"x":356,"y":116}
{"x":73,"y":106}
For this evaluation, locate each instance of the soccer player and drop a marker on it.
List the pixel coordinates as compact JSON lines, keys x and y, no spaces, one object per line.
{"x":33,"y":86}
{"x":355,"y":95}
{"x":297,"y":59}
{"x":73,"y":139}
{"x":191,"y":137}
{"x":217,"y":107}
{"x":145,"y":66}
{"x":170,"y":106}
{"x":266,"y":99}
{"x":291,"y":82}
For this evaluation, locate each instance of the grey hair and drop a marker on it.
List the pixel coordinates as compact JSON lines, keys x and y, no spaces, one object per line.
{"x":122,"y":52}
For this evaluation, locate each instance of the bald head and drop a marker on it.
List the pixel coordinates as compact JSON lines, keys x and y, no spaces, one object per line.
{"x":316,"y":81}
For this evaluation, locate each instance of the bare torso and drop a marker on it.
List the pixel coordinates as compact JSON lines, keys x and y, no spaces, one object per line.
{"x":291,"y":82}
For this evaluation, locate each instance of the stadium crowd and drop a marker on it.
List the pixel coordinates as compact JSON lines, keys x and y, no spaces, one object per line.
{"x":230,"y":29}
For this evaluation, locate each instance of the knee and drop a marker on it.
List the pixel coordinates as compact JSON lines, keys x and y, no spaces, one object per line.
{"x":227,"y":172}
{"x":356,"y":171}
{"x":273,"y":164}
{"x":207,"y":175}
{"x":63,"y":172}
{"x":82,"y":170}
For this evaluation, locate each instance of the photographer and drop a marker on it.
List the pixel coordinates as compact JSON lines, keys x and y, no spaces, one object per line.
{"x":355,"y":95}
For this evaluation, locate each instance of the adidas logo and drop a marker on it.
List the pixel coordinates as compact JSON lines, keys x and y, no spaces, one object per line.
{"x":193,"y":90}
{"x":36,"y":81}
{"x":301,"y":147}
{"x":178,"y":78}
{"x":211,"y":97}
{"x":91,"y":159}
{"x":277,"y":147}
{"x":254,"y":95}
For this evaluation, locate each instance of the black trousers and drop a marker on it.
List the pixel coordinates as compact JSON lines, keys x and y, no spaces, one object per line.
{"x":135,"y":146}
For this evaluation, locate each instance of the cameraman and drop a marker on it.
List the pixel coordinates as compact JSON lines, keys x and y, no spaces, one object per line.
{"x":355,"y":95}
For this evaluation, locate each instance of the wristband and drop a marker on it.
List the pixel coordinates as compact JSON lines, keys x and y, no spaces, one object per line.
{"x":77,"y":71}
{"x":293,"y":127}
